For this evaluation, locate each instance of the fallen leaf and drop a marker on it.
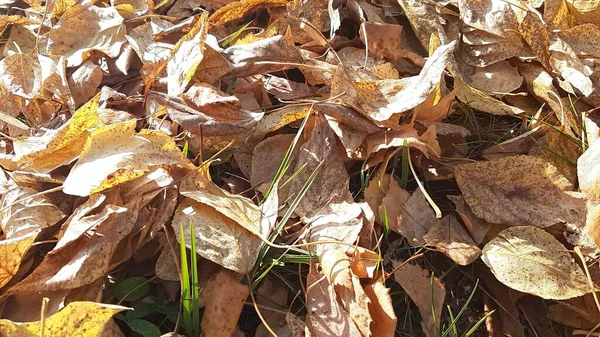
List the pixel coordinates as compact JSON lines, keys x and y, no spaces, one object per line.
{"x":76,"y":319}
{"x":12,"y":252}
{"x":224,"y":306}
{"x":24,"y":211}
{"x":449,"y":237}
{"x":479,"y":100}
{"x":531,"y":260}
{"x":525,"y":191}
{"x":382,"y":39}
{"x":427,"y":292}
{"x":381,"y":309}
{"x":21,"y":75}
{"x":417,"y":219}
{"x":237,"y":10}
{"x":380,"y":100}
{"x":326,"y":317}
{"x":83,"y":29}
{"x":114,"y":154}
{"x":186,"y":56}
{"x":477,"y":227}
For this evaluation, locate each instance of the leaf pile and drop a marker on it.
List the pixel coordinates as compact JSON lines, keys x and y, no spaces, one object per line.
{"x":303,"y":148}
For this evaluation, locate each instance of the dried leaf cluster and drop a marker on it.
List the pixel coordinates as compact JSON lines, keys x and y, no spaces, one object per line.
{"x":311,"y":131}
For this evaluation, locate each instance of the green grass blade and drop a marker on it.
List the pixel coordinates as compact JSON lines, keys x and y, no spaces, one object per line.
{"x":195,"y":291}
{"x":478,"y":324}
{"x":404,"y":176}
{"x":462,"y":310}
{"x":285,"y":162}
{"x":235,"y":35}
{"x":185,"y":282}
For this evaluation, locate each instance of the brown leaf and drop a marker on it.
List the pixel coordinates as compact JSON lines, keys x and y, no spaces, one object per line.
{"x":426,"y":293}
{"x":85,"y":259}
{"x":417,"y":218}
{"x":56,"y":147}
{"x":449,"y":237}
{"x":479,"y":100}
{"x":276,"y":53}
{"x":266,"y":160}
{"x":380,"y":100}
{"x":224,"y":306}
{"x":84,"y":81}
{"x":531,"y":260}
{"x":477,"y":227}
{"x":525,"y":191}
{"x":381,"y":309}
{"x":382,"y":40}
{"x":21,"y":75}
{"x":583,"y":39}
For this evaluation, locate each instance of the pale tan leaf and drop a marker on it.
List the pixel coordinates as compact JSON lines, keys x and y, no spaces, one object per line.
{"x":114,"y":154}
{"x":83,"y":29}
{"x":141,"y":39}
{"x":185,"y":57}
{"x":449,"y":237}
{"x":76,"y":319}
{"x":588,"y":172}
{"x":266,"y":159}
{"x":499,"y":77}
{"x":12,"y":252}
{"x":565,"y":61}
{"x":381,"y":309}
{"x":218,"y":238}
{"x":586,"y":10}
{"x":560,"y":150}
{"x":525,"y":190}
{"x":84,"y":81}
{"x":326,"y":317}
{"x":23,"y":213}
{"x":21,"y":74}
{"x":583,"y":39}
{"x":426,"y":293}
{"x":166,"y":264}
{"x":224,"y":306}
{"x":275,"y":52}
{"x":531,"y":260}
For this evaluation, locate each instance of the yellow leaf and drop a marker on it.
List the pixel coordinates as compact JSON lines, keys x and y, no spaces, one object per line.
{"x":11,"y":254}
{"x":114,"y":154}
{"x":57,"y":147}
{"x":237,"y":10}
{"x":78,"y":319}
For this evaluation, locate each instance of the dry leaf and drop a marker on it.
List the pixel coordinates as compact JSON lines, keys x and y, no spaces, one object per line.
{"x":525,"y":191}
{"x":427,"y":292}
{"x":531,"y":260}
{"x":326,"y":317}
{"x":380,"y":100}
{"x":56,"y":147}
{"x":236,"y":10}
{"x":83,"y":29}
{"x":417,"y":218}
{"x":76,"y":319}
{"x":185,"y":57}
{"x":449,"y":237}
{"x":21,"y":75}
{"x":24,"y":210}
{"x":477,"y":227}
{"x":114,"y":154}
{"x":12,"y":252}
{"x":479,"y":100}
{"x":381,"y":309}
{"x":223,"y":306}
